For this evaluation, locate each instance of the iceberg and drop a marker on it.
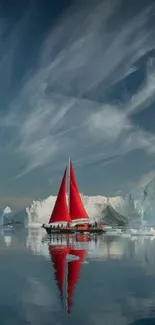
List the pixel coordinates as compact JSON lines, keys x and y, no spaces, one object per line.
{"x":144,"y":199}
{"x":19,"y":217}
{"x":113,"y":210}
{"x":135,"y":209}
{"x":2,"y":214}
{"x":7,"y":210}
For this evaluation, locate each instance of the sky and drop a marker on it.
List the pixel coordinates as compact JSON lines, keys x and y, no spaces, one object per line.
{"x":77,"y":79}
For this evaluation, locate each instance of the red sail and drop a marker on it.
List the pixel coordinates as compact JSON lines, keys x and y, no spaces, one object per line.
{"x":60,"y":212}
{"x":77,"y":210}
{"x":58,"y":257}
{"x":73,"y":274}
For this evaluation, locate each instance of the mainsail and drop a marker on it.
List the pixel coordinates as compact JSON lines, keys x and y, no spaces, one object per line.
{"x":60,"y":212}
{"x":76,"y":207}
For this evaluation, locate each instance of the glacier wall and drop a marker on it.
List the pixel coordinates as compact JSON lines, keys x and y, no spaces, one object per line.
{"x":144,"y":199}
{"x":39,"y":211}
{"x":138,"y":207}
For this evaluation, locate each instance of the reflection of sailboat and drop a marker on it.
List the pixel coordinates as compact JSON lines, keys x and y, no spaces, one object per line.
{"x":72,"y":217}
{"x":82,"y":238}
{"x":72,"y":268}
{"x":58,"y":256}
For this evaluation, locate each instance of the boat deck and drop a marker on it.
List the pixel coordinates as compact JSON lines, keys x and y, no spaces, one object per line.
{"x":50,"y":230}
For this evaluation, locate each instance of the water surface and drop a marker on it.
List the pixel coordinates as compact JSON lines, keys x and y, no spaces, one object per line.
{"x":111,"y":280}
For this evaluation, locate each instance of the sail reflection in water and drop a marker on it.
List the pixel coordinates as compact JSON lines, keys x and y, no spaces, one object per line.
{"x":73,"y":274}
{"x":67,"y":272}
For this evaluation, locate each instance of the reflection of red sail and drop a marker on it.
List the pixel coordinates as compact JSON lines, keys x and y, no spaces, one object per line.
{"x":58,"y":257}
{"x":67,"y":281}
{"x":73,"y":274}
{"x":82,"y":238}
{"x":60,"y":212}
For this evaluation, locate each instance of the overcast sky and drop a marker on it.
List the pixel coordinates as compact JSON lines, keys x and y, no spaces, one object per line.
{"x":77,"y":79}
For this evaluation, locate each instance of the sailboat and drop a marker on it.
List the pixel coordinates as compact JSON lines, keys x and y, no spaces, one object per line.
{"x":71,"y":217}
{"x":66,"y":273}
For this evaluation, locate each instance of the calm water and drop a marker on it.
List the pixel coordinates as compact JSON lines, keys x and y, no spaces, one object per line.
{"x":111,"y":282}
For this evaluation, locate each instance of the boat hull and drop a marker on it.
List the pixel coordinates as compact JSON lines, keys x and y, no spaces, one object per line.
{"x":72,"y":231}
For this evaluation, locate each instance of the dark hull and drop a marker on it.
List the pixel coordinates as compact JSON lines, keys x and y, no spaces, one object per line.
{"x":72,"y":231}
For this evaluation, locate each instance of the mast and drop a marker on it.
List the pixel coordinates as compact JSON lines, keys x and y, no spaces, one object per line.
{"x":69,"y":165}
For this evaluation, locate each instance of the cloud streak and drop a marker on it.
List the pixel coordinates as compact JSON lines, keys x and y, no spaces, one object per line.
{"x":53,"y":116}
{"x":146,"y":94}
